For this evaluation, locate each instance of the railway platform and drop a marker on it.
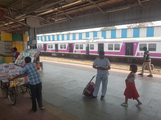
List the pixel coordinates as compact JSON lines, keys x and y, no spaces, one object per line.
{"x":63,"y":84}
{"x":21,"y":111}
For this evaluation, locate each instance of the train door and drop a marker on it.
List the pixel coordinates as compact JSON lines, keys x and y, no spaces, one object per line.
{"x":44,"y":47}
{"x":129,"y":49}
{"x":87,"y":49}
{"x":71,"y":48}
{"x":56,"y":47}
{"x":100,"y":47}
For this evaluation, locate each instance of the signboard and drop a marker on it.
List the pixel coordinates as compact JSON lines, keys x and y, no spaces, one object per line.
{"x":6,"y":48}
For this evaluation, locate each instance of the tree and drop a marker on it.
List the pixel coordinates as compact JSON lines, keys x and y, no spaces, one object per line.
{"x":108,"y":28}
{"x":140,"y":25}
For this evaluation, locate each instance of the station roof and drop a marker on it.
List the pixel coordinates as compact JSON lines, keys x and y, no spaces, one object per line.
{"x":56,"y":11}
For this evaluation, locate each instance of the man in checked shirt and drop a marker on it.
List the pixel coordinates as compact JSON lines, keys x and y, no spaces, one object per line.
{"x":35,"y":83}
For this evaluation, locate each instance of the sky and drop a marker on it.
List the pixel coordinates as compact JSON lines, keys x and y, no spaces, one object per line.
{"x":156,"y":23}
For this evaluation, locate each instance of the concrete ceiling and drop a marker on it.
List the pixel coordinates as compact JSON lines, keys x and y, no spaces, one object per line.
{"x":57,"y":11}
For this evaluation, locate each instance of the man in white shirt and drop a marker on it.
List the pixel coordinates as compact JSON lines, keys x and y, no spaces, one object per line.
{"x":102,"y":65}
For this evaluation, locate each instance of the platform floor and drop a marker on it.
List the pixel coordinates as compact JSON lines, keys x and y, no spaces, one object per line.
{"x":21,"y":111}
{"x":63,"y":84}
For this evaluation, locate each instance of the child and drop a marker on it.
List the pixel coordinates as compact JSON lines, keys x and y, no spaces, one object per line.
{"x":130,"y":91}
{"x":38,"y":65}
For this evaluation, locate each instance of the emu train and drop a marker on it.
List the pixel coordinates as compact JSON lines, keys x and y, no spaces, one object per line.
{"x":127,"y":47}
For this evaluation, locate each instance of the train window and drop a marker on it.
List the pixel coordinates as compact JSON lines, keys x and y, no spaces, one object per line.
{"x":77,"y":46}
{"x":110,"y":46}
{"x":141,"y":46}
{"x":152,"y":47}
{"x":81,"y":46}
{"x":117,"y":46}
{"x":48,"y":46}
{"x":91,"y":46}
{"x":51,"y":46}
{"x":61,"y":46}
{"x":64,"y":46}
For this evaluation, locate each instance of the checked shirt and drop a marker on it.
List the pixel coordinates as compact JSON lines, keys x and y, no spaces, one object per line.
{"x":31,"y":70}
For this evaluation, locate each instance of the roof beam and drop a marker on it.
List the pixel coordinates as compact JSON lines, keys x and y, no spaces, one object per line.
{"x":44,"y":19}
{"x":139,"y":2}
{"x":67,"y":15}
{"x":64,"y":6}
{"x":42,"y":9}
{"x":16,"y":21}
{"x":15,"y":2}
{"x":4,"y":9}
{"x":97,"y":6}
{"x":15,"y":10}
{"x":52,"y":23}
{"x":30,"y":6}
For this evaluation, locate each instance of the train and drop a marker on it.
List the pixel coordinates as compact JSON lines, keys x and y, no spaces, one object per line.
{"x":123,"y":47}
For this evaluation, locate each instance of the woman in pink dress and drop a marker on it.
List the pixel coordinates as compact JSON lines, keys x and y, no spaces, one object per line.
{"x":130,"y":91}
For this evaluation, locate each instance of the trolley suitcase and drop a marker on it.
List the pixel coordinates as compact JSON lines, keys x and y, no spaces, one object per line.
{"x":88,"y":90}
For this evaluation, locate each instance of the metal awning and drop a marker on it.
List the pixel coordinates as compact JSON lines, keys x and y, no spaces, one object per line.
{"x":56,"y":11}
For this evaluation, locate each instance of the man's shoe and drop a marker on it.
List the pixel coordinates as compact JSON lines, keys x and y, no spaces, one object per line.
{"x":140,"y":74}
{"x":150,"y":75}
{"x":42,"y":108}
{"x":102,"y":98}
{"x":31,"y":110}
{"x":90,"y":97}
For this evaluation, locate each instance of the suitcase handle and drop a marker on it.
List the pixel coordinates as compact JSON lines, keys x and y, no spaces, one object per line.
{"x":92,"y":79}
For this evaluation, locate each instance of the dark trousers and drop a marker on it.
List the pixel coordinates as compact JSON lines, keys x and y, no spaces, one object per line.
{"x":36,"y":94}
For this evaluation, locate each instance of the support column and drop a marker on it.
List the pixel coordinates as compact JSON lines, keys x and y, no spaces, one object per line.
{"x":32,"y":38}
{"x":33,"y":22}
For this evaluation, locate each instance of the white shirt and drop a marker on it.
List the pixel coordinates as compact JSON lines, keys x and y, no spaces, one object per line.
{"x":132,"y":78}
{"x":102,"y":63}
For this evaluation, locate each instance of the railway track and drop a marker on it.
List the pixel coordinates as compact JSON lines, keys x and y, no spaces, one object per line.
{"x":89,"y":62}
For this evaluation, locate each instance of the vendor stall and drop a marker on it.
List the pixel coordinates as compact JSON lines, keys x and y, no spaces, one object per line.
{"x":10,"y":88}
